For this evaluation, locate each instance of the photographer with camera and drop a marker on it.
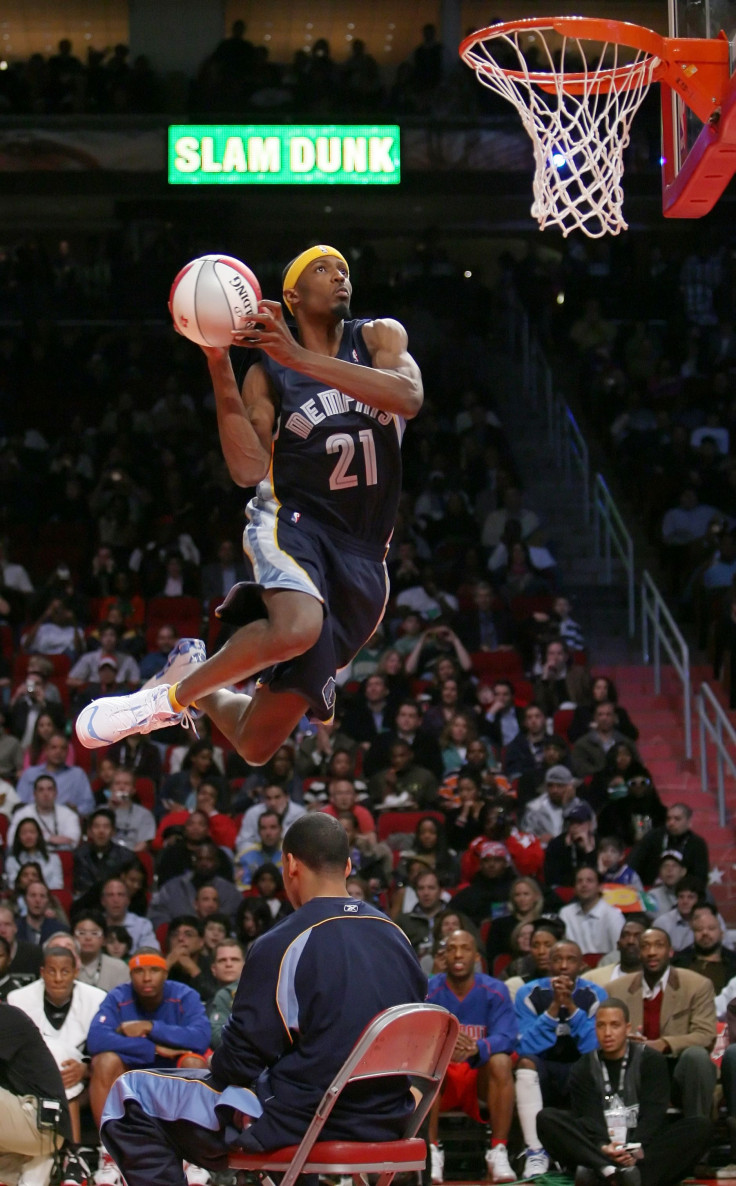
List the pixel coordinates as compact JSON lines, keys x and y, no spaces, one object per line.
{"x":34,"y":1116}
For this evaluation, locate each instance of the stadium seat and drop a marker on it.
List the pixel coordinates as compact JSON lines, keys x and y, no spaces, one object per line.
{"x":146,"y":860}
{"x":562,"y":721}
{"x":390,"y":822}
{"x":501,"y":961}
{"x":162,"y":933}
{"x":64,"y":898}
{"x":145,"y":789}
{"x":67,"y":867}
{"x":493,"y":665}
{"x":412,"y":1040}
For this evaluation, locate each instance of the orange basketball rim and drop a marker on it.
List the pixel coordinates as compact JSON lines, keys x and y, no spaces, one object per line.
{"x":577,"y":92}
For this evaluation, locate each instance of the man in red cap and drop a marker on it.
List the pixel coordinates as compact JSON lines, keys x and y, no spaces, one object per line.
{"x":491,"y":884}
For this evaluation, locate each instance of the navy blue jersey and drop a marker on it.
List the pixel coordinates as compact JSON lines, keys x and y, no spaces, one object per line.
{"x":309,"y":988}
{"x":334,"y":458}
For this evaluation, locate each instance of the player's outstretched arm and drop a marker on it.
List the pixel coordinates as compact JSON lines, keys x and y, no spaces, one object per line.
{"x":393,"y":383}
{"x":244,"y":420}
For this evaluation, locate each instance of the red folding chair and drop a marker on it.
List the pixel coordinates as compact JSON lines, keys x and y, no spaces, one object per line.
{"x":412,"y":1040}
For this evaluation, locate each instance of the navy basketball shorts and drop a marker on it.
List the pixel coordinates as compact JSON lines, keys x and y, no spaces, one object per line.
{"x":287,"y":550}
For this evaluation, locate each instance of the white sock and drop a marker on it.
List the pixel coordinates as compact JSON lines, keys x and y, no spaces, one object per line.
{"x":529,"y":1105}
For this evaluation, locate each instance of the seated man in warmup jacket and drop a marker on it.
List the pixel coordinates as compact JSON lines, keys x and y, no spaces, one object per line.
{"x":556,"y":1017}
{"x":309,"y":987}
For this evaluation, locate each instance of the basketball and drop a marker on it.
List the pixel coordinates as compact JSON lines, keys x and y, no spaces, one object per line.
{"x":211,"y":296}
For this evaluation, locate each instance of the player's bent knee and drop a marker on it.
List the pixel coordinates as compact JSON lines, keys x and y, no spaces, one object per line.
{"x":299,"y":636}
{"x":500,"y":1066}
{"x":107,"y":1064}
{"x":256,"y":751}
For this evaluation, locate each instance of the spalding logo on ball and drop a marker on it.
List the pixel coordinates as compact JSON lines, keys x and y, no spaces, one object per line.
{"x":212,"y":296}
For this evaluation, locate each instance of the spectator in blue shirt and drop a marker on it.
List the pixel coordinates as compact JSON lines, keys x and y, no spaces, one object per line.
{"x":150,"y":1022}
{"x":481,"y":1064}
{"x":72,"y":784}
{"x":556,"y":1021}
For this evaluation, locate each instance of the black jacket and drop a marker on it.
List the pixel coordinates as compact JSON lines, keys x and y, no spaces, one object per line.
{"x":645,"y":858}
{"x":425,"y":747}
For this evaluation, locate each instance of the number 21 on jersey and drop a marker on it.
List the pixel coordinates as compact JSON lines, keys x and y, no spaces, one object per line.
{"x":343,"y":444}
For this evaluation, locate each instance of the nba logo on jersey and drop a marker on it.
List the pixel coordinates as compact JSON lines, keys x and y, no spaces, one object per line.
{"x":295,"y":517}
{"x":355,"y":355}
{"x":328,"y":693}
{"x":351,"y":907}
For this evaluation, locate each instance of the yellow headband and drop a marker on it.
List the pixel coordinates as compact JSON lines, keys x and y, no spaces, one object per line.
{"x":302,"y":261}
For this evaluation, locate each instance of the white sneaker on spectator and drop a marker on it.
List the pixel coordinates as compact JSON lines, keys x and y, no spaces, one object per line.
{"x":536,"y":1163}
{"x":112,"y":718}
{"x":182,"y":657}
{"x":437,"y":1163}
{"x":107,"y":1173}
{"x":499,"y":1167}
{"x":196,"y":1175}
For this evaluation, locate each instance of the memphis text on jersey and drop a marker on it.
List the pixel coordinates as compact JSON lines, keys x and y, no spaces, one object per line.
{"x":334,"y":403}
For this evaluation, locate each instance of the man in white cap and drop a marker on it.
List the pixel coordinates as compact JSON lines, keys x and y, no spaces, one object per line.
{"x":545,"y":815}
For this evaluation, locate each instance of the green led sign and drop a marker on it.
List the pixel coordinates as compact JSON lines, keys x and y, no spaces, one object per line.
{"x":284,"y":154}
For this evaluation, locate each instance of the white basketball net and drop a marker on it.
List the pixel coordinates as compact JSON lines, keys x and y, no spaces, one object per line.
{"x":579,"y":139}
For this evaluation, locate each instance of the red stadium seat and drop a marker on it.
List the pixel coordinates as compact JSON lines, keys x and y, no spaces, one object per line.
{"x":145,"y":789}
{"x":563,"y":720}
{"x":67,"y":865}
{"x":146,"y":860}
{"x":162,"y":933}
{"x":501,"y":961}
{"x":64,"y":898}
{"x":403,"y":821}
{"x":413,"y":1040}
{"x":493,"y":665}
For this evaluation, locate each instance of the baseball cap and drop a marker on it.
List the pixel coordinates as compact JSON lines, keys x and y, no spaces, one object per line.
{"x":580,"y":813}
{"x":493,"y":848}
{"x":108,"y":661}
{"x":673,"y":855}
{"x":558,"y":774}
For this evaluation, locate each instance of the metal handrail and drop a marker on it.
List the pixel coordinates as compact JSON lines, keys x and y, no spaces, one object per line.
{"x":654,"y":612}
{"x":715,"y":731}
{"x":610,"y":532}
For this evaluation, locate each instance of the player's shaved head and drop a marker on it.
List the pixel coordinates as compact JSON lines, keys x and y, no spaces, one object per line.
{"x":319,"y":841}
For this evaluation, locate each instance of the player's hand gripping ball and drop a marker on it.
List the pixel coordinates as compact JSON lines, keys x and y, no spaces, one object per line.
{"x":212,"y":296}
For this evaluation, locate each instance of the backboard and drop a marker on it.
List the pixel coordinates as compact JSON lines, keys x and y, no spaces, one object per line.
{"x":697,"y":18}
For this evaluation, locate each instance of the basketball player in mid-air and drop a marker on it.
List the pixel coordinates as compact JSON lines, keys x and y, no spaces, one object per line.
{"x":317,"y":427}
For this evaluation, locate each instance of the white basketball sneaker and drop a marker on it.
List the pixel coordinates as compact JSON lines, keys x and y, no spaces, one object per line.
{"x":437,"y":1163}
{"x":182,"y":657}
{"x":536,"y":1163}
{"x":497,"y":1162}
{"x":112,"y":718}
